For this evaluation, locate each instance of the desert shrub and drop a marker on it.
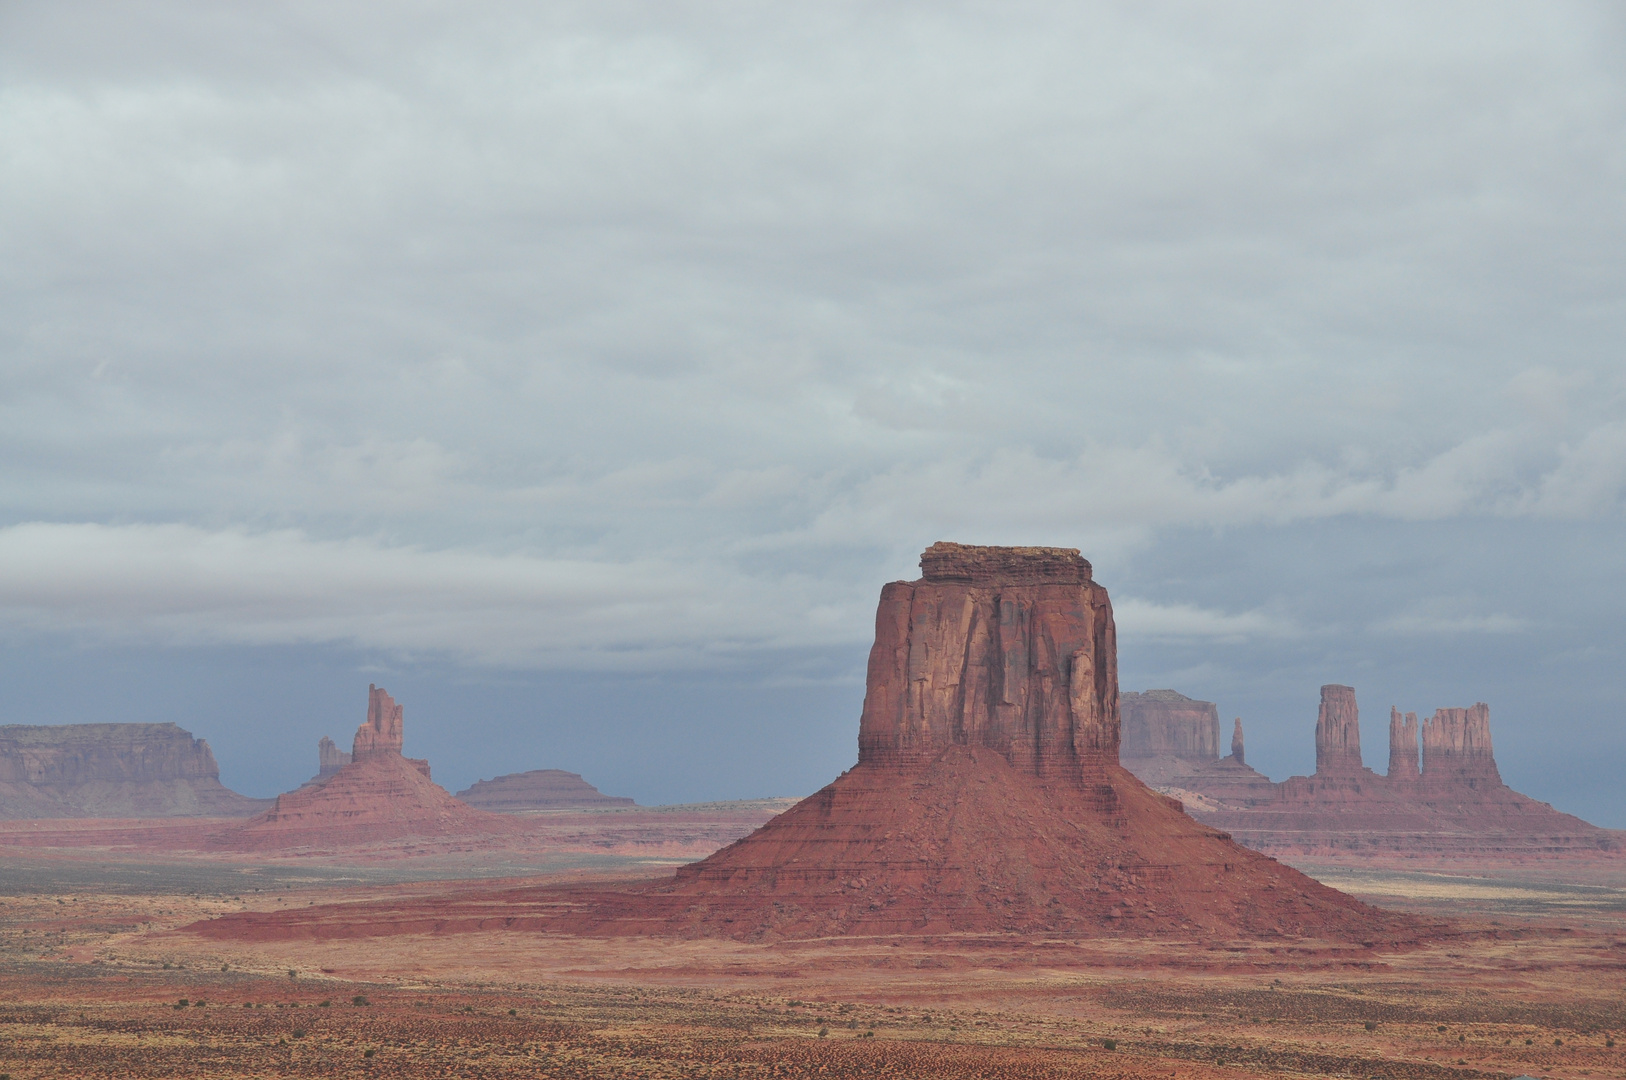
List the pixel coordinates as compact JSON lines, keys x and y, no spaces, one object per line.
{"x":328,"y":1004}
{"x":1370,"y":1026}
{"x":360,"y":999}
{"x":513,"y":1012}
{"x":824,"y":1032}
{"x":299,"y":1033}
{"x":369,"y":1052}
{"x":1441,"y":1029}
{"x":1109,"y":1044}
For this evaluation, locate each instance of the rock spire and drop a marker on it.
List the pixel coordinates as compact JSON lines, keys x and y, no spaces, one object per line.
{"x":1236,"y":743}
{"x":1402,"y":745}
{"x":382,"y":733}
{"x":1337,"y":732}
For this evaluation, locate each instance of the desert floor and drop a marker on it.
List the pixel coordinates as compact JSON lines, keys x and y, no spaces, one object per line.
{"x":98,"y":978}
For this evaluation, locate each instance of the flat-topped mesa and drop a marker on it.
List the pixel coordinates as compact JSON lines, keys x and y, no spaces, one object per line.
{"x":1166,"y":723}
{"x":1402,"y":745}
{"x":330,"y":758}
{"x":1338,"y":733}
{"x":111,"y":770}
{"x":382,"y":733}
{"x":1010,"y":648}
{"x":1236,"y":743}
{"x":1457,"y":748}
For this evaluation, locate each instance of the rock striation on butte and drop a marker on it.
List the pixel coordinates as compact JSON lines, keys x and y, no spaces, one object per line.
{"x":377,"y":796}
{"x":538,"y":790}
{"x":1442,"y":798}
{"x":112,"y":771}
{"x":988,"y":795}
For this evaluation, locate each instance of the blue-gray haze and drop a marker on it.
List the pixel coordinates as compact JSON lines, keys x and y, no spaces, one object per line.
{"x":579,"y":372}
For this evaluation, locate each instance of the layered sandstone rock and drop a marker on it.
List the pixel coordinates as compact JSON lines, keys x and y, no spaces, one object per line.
{"x":330,"y":759}
{"x":988,"y":794}
{"x":1402,"y":746}
{"x":1163,"y":724}
{"x":1338,"y":733}
{"x":1004,"y":648}
{"x":1457,"y":749}
{"x":538,"y":790}
{"x":112,"y":770}
{"x":1454,"y":808}
{"x":1171,"y":742}
{"x":378,"y":796}
{"x":383,"y":731}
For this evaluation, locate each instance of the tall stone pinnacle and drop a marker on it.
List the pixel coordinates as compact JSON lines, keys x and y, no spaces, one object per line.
{"x":1337,"y":732}
{"x":382,"y":733}
{"x":1402,"y":745}
{"x":1236,"y":743}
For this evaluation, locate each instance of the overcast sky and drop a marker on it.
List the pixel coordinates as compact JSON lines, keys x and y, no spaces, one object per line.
{"x":581,"y":372}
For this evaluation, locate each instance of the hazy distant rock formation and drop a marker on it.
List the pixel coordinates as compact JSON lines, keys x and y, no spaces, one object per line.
{"x":1454,"y":806}
{"x":112,"y":770}
{"x":988,"y":796}
{"x":1171,"y":741}
{"x":1160,"y":725}
{"x":330,"y":758}
{"x":377,"y":796}
{"x":382,"y":733}
{"x":539,"y":789}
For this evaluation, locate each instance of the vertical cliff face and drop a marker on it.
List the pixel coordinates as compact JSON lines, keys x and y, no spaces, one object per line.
{"x":1012,"y":649}
{"x":331,"y":759}
{"x":1337,"y":733}
{"x":1457,"y":748}
{"x":1402,"y":745}
{"x":382,"y":733}
{"x":1236,"y":743}
{"x":1164,"y":723}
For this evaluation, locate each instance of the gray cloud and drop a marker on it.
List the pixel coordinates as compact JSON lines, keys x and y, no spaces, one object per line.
{"x":593,"y":336}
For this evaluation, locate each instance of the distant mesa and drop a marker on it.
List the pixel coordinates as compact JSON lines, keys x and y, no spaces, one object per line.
{"x":988,"y":794}
{"x":1442,"y":797}
{"x":538,"y":790}
{"x":372,"y":795}
{"x":112,"y":771}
